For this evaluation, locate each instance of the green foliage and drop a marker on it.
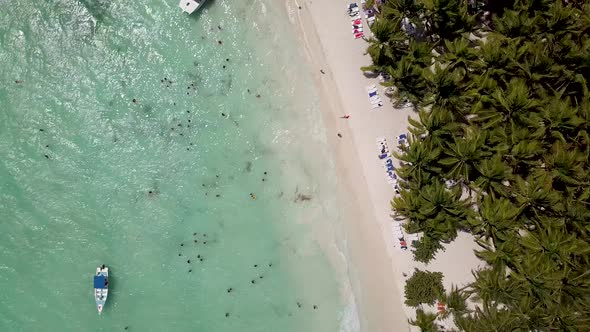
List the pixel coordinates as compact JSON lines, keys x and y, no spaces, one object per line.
{"x":507,"y":119}
{"x":425,"y":249}
{"x":455,"y":301}
{"x":423,"y":287}
{"x":425,"y":321}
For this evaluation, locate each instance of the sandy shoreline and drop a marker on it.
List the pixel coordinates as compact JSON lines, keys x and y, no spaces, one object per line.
{"x":376,"y":262}
{"x":326,"y":32}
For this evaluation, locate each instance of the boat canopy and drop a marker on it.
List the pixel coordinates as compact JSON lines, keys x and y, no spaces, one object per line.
{"x":100,"y":281}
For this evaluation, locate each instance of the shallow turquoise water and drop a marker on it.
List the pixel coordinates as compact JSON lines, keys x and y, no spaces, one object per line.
{"x":88,"y":176}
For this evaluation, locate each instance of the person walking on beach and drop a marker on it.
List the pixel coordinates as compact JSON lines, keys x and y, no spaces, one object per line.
{"x":346,"y":116}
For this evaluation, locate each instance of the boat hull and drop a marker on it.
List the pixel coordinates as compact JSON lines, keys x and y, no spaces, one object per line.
{"x":191,"y":6}
{"x":101,"y":287}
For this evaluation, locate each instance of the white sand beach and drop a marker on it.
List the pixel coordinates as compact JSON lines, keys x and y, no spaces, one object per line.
{"x":377,"y":262}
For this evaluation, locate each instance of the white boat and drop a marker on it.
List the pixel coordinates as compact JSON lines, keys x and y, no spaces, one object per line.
{"x":190,"y":6}
{"x":101,"y":287}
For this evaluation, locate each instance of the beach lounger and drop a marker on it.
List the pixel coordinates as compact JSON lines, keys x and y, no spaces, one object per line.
{"x":375,"y":100}
{"x":359,"y":35}
{"x":357,"y":22}
{"x":357,"y":30}
{"x":372,"y":94}
{"x":373,"y":106}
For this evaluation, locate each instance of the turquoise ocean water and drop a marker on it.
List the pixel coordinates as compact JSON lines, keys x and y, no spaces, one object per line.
{"x":133,"y":135}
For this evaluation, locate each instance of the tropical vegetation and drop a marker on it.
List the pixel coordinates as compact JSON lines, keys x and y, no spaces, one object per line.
{"x":499,"y":147}
{"x":424,"y":287}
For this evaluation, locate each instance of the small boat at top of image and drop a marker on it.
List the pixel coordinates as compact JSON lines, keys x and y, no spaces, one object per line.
{"x":101,"y":287}
{"x":190,"y":6}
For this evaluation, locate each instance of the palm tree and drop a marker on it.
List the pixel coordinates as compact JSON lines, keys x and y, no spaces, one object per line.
{"x":448,"y":89}
{"x":462,"y":154}
{"x":388,"y":45}
{"x":461,"y":54}
{"x":566,"y":166}
{"x":513,"y":105}
{"x":514,"y":24}
{"x":436,"y":125}
{"x":447,"y":19}
{"x":455,"y":301}
{"x":419,"y":159}
{"x":425,"y":321}
{"x":495,"y":218}
{"x":560,"y":120}
{"x":492,"y":174}
{"x":509,"y":115}
{"x":397,"y":10}
{"x":535,"y":196}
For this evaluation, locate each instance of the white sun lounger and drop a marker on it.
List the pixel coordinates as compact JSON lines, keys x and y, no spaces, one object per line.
{"x":371,"y":87}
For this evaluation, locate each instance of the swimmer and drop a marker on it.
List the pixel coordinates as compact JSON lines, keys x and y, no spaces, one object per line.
{"x":252,"y":196}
